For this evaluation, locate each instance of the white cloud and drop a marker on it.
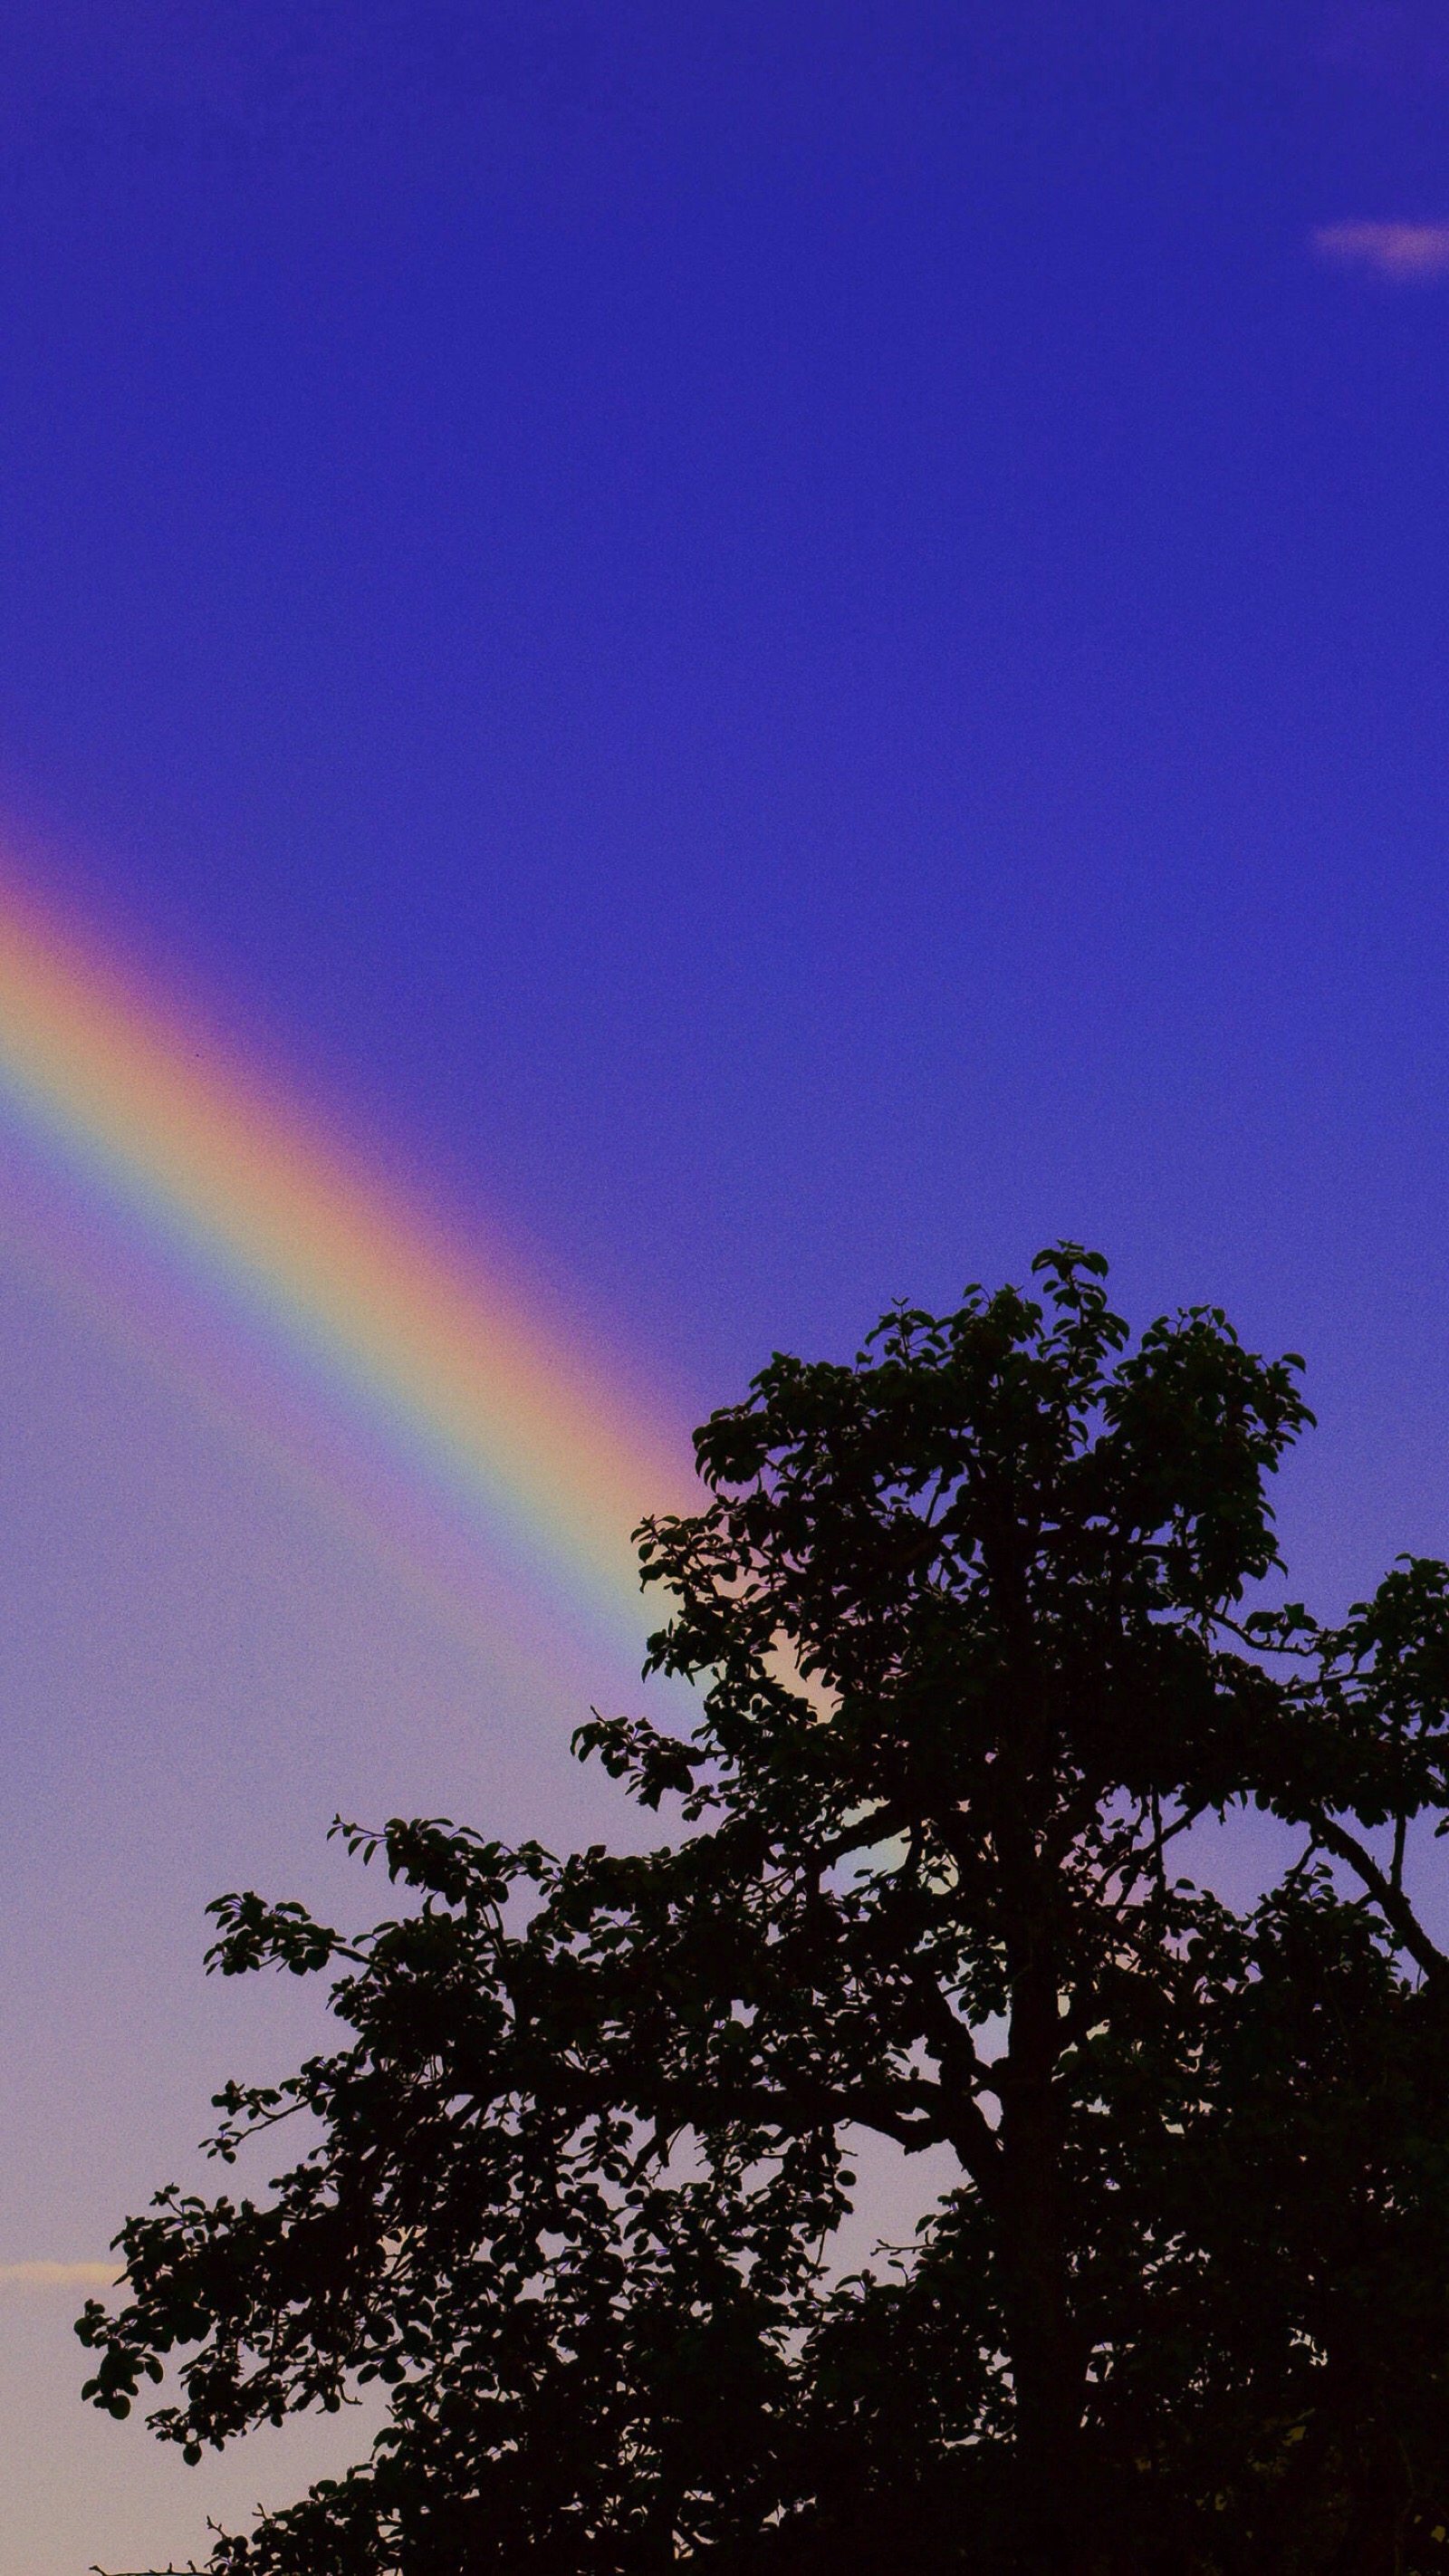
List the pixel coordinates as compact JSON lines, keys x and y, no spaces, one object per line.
{"x":1410,"y":254}
{"x":59,"y":2276}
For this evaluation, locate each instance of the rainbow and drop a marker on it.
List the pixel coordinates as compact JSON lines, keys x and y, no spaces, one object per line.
{"x":417,"y":1348}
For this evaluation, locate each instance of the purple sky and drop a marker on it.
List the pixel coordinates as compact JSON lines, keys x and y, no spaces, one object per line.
{"x":798,"y":648}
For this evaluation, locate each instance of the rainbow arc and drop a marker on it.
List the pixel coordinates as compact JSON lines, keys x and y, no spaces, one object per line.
{"x":420,"y":1346}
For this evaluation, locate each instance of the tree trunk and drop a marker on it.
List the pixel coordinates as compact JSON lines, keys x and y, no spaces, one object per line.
{"x":1047,"y":2364}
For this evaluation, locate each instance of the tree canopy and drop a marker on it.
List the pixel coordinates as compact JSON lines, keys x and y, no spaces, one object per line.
{"x":977,"y":1624}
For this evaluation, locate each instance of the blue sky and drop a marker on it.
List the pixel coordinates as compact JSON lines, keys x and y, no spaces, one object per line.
{"x":797,"y":648}
{"x":801,"y":646}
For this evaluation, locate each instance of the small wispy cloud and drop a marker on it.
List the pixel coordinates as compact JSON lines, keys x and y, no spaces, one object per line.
{"x":1408,"y":254}
{"x":58,"y":2276}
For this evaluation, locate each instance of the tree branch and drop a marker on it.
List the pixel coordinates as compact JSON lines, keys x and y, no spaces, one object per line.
{"x":1391,"y":1901}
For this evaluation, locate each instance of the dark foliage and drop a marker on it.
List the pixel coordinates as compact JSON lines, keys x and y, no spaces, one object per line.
{"x":969,"y":1620}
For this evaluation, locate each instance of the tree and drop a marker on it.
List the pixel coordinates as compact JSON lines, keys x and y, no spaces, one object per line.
{"x":970,"y":1622}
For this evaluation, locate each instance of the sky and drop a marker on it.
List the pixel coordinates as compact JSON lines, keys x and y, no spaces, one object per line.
{"x":755,"y":658}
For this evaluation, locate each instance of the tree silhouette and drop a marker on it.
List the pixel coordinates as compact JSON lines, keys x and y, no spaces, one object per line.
{"x":969,"y":1620}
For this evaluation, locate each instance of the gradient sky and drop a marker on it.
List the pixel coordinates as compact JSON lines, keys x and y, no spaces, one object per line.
{"x":778,"y":650}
